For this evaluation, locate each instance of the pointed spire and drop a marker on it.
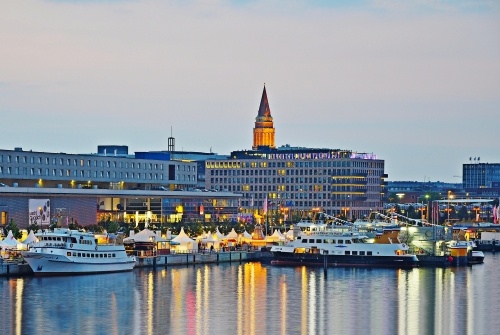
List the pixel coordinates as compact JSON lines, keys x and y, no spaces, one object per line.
{"x":264,"y":109}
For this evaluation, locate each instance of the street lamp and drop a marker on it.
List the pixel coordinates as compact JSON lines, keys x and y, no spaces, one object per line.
{"x":450,"y":196}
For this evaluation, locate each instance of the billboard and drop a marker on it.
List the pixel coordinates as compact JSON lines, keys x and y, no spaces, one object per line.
{"x":39,"y":211}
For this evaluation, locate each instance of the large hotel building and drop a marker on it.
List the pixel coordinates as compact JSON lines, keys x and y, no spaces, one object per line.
{"x":340,"y":182}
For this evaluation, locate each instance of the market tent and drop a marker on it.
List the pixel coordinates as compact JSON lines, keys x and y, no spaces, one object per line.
{"x":218,"y":234}
{"x":144,"y":236}
{"x":247,"y":236}
{"x":275,"y":237}
{"x":233,"y":235}
{"x":10,"y":240}
{"x":31,"y":238}
{"x":211,"y":241}
{"x":289,"y":234}
{"x":185,"y":243}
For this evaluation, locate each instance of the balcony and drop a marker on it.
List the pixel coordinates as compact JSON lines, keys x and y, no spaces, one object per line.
{"x":349,"y":183}
{"x":352,"y":175}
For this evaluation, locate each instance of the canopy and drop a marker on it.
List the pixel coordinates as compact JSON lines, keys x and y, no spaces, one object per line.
{"x":247,"y":235}
{"x":185,"y":243}
{"x":31,"y":238}
{"x":209,"y":238}
{"x":218,"y":234}
{"x":211,"y":241}
{"x":10,"y":240}
{"x":232,"y":235}
{"x":144,"y":236}
{"x":289,"y":234}
{"x":276,"y":236}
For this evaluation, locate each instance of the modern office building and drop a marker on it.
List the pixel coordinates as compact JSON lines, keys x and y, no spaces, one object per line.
{"x":298,"y":179}
{"x":146,"y":186}
{"x":480,"y":175}
{"x":108,"y":169}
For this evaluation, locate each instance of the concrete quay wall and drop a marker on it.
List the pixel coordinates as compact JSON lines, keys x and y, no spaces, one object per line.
{"x":15,"y":269}
{"x":198,"y":258}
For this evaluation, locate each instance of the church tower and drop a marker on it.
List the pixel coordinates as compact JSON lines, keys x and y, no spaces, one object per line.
{"x":263,"y":133}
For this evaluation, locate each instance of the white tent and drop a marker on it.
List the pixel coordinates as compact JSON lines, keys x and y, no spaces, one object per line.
{"x":185,"y":243}
{"x":10,"y":240}
{"x":211,"y":241}
{"x":247,"y":236}
{"x":275,"y":237}
{"x":218,"y":234}
{"x":31,"y":238}
{"x":233,"y":235}
{"x":289,"y":234}
{"x":145,"y":236}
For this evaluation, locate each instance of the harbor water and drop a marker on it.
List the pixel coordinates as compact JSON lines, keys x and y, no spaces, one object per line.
{"x":255,"y":298}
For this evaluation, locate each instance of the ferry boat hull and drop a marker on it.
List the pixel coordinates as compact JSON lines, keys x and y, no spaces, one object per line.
{"x":65,"y":251}
{"x":403,"y":261}
{"x":44,"y":264}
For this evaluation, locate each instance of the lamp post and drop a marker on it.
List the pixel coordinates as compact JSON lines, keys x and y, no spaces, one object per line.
{"x":450,"y":196}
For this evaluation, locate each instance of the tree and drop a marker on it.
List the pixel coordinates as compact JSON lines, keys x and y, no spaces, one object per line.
{"x":12,"y":226}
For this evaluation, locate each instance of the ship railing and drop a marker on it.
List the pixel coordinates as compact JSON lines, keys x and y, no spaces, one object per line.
{"x":329,"y":233}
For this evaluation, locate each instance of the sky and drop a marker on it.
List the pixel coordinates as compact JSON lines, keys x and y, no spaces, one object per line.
{"x":415,"y":82}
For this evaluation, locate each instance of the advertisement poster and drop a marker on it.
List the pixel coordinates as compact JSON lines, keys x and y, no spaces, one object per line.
{"x":39,"y":211}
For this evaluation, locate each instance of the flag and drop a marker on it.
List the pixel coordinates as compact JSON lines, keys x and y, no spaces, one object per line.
{"x":264,"y":205}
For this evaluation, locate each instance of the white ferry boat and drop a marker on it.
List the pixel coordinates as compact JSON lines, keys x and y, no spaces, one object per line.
{"x":319,"y":244}
{"x":65,"y":251}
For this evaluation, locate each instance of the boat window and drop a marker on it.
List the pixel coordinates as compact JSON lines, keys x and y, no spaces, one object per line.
{"x":88,"y":255}
{"x":354,"y":252}
{"x":83,"y":255}
{"x":341,"y":241}
{"x":333,"y":241}
{"x":299,"y":237}
{"x":79,"y":254}
{"x":68,"y":253}
{"x":114,"y":255}
{"x":355,"y":240}
{"x":59,"y":239}
{"x":369,"y":253}
{"x":347,"y":241}
{"x":109,"y":255}
{"x":101,"y":256}
{"x":347,"y":252}
{"x":304,"y":241}
{"x":105,"y":255}
{"x":362,"y":253}
{"x":319,"y":240}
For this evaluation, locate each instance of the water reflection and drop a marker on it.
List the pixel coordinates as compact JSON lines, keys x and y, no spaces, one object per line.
{"x":251,"y":298}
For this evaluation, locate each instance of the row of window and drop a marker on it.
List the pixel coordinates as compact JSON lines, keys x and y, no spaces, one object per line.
{"x":89,"y":174}
{"x":299,"y":172}
{"x":293,"y":164}
{"x":90,"y":254}
{"x":269,"y":180}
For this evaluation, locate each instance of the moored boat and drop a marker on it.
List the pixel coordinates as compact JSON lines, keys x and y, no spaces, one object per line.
{"x":317,"y":245}
{"x":65,"y":251}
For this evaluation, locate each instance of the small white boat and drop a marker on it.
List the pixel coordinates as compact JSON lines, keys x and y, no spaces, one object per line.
{"x":65,"y":251}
